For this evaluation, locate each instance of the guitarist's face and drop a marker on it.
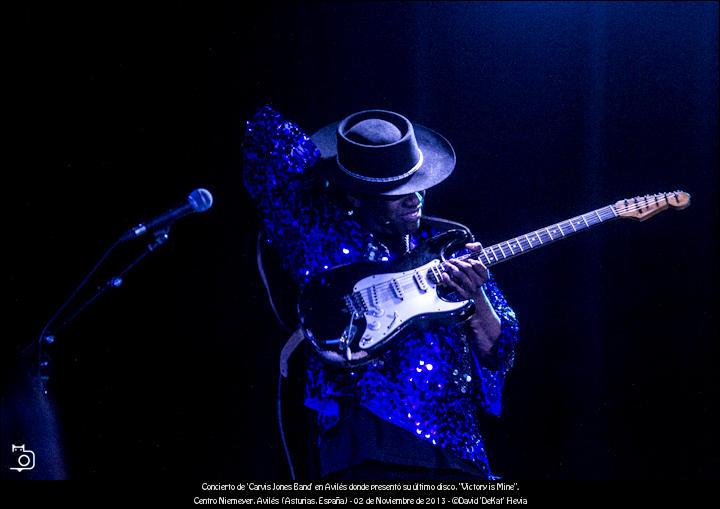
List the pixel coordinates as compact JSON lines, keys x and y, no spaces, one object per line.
{"x":391,"y":215}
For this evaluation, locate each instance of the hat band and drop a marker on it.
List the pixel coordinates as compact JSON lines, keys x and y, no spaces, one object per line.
{"x":382,"y":179}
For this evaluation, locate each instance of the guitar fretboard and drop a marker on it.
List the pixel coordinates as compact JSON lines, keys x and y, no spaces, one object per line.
{"x":524,"y":243}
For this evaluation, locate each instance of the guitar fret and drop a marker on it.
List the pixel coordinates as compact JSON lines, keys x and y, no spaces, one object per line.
{"x":490,"y":256}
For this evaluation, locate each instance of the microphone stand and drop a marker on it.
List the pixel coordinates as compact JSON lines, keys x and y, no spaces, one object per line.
{"x":47,"y":336}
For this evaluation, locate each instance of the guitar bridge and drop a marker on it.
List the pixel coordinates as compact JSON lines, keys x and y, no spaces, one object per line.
{"x":356,"y":304}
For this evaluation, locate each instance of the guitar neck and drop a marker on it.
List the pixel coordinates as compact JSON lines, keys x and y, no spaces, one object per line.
{"x":544,"y":236}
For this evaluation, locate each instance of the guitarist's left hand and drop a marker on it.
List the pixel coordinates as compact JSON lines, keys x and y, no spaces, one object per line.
{"x":467,"y":278}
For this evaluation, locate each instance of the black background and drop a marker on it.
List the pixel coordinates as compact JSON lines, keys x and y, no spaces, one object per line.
{"x":117,"y":112}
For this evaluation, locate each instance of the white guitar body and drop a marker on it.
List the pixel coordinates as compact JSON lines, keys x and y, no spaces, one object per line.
{"x":392,"y":299}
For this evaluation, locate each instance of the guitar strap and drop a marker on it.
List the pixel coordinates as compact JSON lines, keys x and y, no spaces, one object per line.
{"x":292,"y":343}
{"x":296,"y":337}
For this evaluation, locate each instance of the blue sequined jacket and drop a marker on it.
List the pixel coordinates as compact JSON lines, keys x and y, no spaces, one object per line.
{"x":430,"y":383}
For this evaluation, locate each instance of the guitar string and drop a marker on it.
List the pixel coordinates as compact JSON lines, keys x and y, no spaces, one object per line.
{"x":383,"y":289}
{"x":405,"y":280}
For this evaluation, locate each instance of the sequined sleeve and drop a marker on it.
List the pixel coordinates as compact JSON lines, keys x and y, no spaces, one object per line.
{"x":493,"y":379}
{"x":279,"y":174}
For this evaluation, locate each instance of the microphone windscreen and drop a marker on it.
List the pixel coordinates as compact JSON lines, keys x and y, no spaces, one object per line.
{"x":200,"y":200}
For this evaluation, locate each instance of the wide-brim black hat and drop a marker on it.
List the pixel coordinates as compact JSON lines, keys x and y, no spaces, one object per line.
{"x":381,"y":152}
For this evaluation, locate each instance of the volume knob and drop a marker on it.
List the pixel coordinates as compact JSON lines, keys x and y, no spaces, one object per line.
{"x":373,"y":325}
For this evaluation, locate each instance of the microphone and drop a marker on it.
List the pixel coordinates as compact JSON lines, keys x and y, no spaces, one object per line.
{"x":197,"y":201}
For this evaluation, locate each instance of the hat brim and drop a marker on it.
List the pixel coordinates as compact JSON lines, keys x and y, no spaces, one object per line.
{"x":438,"y":163}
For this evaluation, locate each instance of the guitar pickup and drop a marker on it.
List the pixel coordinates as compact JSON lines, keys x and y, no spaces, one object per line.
{"x":420,"y":281}
{"x":374,"y":296}
{"x":396,"y":289}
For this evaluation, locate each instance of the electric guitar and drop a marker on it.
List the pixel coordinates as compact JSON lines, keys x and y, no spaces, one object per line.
{"x":353,"y":312}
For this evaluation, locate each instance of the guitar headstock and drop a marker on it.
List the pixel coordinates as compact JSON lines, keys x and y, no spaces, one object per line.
{"x":644,"y":207}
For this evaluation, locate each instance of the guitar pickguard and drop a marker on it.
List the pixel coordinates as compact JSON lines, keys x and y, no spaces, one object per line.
{"x":393,"y":299}
{"x":352,"y":312}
